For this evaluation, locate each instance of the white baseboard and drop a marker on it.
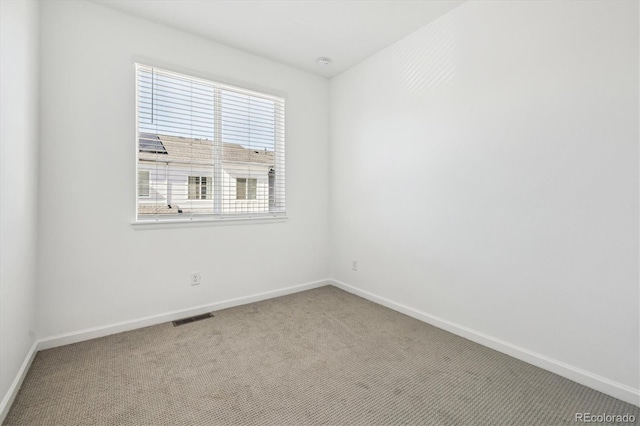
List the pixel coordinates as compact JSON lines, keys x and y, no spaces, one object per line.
{"x":106,"y":330}
{"x":5,"y":405}
{"x":586,"y":378}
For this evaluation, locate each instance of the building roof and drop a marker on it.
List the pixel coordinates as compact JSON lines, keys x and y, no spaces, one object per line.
{"x":163,"y":209}
{"x":178,"y":149}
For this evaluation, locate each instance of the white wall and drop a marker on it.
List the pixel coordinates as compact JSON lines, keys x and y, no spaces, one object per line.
{"x":19,"y":41}
{"x":484,"y":170}
{"x":95,"y":268}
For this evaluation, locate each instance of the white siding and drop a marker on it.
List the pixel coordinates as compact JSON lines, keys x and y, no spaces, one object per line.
{"x":168,"y":185}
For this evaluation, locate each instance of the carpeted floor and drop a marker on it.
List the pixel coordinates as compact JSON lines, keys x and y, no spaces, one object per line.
{"x":322,"y":356}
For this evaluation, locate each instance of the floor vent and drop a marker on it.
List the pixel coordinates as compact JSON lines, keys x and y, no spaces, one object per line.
{"x":192,"y":319}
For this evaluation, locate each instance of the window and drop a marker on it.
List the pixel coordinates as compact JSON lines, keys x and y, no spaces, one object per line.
{"x":143,"y":183}
{"x":246,"y":189}
{"x":200,"y":188}
{"x":205,"y":148}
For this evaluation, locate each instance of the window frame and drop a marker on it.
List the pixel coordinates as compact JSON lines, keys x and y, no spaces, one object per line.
{"x":247,"y":189}
{"x":275,"y":213}
{"x":199,"y":185}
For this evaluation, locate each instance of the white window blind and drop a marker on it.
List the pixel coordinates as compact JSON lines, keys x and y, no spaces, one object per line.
{"x":198,"y":140}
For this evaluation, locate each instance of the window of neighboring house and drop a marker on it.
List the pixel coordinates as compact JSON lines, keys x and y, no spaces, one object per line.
{"x":143,"y":183}
{"x":200,"y":188}
{"x":246,"y":188}
{"x":196,"y":136}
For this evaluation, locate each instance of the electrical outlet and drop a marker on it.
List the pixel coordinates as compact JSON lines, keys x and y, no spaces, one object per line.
{"x":354,"y":264}
{"x":195,"y":278}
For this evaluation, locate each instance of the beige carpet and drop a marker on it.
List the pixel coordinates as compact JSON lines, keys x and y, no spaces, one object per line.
{"x":322,"y":357}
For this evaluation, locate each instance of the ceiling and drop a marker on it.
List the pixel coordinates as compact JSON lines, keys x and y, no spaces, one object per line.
{"x":295,"y":32}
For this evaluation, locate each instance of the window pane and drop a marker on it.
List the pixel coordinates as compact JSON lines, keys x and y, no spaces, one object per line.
{"x":252,"y":189}
{"x":203,"y":188}
{"x":241,"y":189}
{"x":143,"y":183}
{"x":193,"y":188}
{"x":272,"y":188}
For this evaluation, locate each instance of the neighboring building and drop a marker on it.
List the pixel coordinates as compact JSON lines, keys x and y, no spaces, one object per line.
{"x":178,"y":175}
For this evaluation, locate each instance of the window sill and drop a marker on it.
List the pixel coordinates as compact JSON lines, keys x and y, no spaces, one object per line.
{"x":204,"y":222}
